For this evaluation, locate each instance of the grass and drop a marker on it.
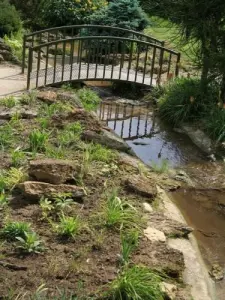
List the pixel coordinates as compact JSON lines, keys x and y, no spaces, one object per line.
{"x":10,"y":179}
{"x":69,"y":227}
{"x":54,"y":109}
{"x":70,"y":135}
{"x":98,"y":152}
{"x":136,"y":283}
{"x":89,"y":99}
{"x":30,"y":243}
{"x":161,"y":167}
{"x":8,"y":102}
{"x":6,"y":136}
{"x":38,"y":140}
{"x":18,"y":157}
{"x":29,"y":98}
{"x":214,"y":123}
{"x":129,"y":242}
{"x":12,"y":230}
{"x":118,"y":213}
{"x":4,"y":201}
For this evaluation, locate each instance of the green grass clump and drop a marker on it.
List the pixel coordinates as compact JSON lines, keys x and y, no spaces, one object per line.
{"x":89,"y":99}
{"x":8,"y":102}
{"x":30,"y":243}
{"x":118,"y":213}
{"x":10,"y":179}
{"x":70,"y":135}
{"x":129,"y":242}
{"x":161,"y":167}
{"x":98,"y":152}
{"x":6,"y":136}
{"x":12,"y":230}
{"x":4,"y":201}
{"x":54,"y":109}
{"x":214,"y":123}
{"x":183,"y":101}
{"x":38,"y":140}
{"x":69,"y":226}
{"x":18,"y":157}
{"x":136,"y":283}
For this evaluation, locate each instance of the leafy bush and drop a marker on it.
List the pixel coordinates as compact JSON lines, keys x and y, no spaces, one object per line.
{"x":136,"y":283}
{"x":89,"y":98}
{"x":121,"y":13}
{"x":70,"y":12}
{"x":9,"y":18}
{"x":214,"y":123}
{"x":30,"y":243}
{"x":184,"y":101}
{"x":98,"y":152}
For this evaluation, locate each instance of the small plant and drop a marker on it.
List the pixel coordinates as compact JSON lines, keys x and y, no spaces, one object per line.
{"x":129,"y":242}
{"x":46,"y":206}
{"x":43,"y":122}
{"x":18,"y":157}
{"x":69,"y":226}
{"x":4,"y":201}
{"x":30,"y":243}
{"x":29,"y":98}
{"x":89,"y":99}
{"x":9,"y":180}
{"x":12,"y":230}
{"x":38,"y":140}
{"x":53,"y":152}
{"x":136,"y":283}
{"x":8,"y":102}
{"x":6,"y":136}
{"x":162,"y":167}
{"x":54,"y":109}
{"x":62,"y":201}
{"x":75,"y":127}
{"x":119,"y":213}
{"x":143,"y":171}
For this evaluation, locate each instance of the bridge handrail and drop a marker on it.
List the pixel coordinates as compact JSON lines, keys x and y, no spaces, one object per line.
{"x":103,"y":38}
{"x":64,"y":28}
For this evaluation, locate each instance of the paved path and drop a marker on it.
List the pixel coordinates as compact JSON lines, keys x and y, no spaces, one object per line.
{"x":11,"y":80}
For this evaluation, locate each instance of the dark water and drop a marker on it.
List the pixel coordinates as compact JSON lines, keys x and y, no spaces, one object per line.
{"x":149,"y":137}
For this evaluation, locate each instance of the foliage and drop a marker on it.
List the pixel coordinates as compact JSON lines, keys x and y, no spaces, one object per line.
{"x":15,"y":41}
{"x":214,"y":123}
{"x":70,"y":135}
{"x":162,"y":167}
{"x":98,"y":152}
{"x":12,"y":230}
{"x":18,"y":157}
{"x":9,"y":18}
{"x":30,"y":243}
{"x":10,"y":179}
{"x":136,"y":283}
{"x":89,"y":98}
{"x":4,"y":201}
{"x":6,"y":136}
{"x":54,"y":109}
{"x":8,"y":102}
{"x":69,"y":226}
{"x":129,"y":242}
{"x":126,"y":14}
{"x":38,"y":140}
{"x":183,"y":100}
{"x":70,"y":12}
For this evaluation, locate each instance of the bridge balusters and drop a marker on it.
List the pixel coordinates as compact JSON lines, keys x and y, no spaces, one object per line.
{"x":96,"y":58}
{"x":71,"y":58}
{"x":137,"y":62}
{"x":169,"y":65}
{"x":81,"y":51}
{"x":114,"y":57}
{"x":130,"y":59}
{"x":121,"y":59}
{"x":88,"y":61}
{"x":145,"y":64}
{"x":160,"y":65}
{"x":55,"y":61}
{"x":153,"y":65}
{"x":46,"y":65}
{"x":30,"y":65}
{"x":63,"y":60}
{"x":177,"y":65}
{"x":38,"y":66}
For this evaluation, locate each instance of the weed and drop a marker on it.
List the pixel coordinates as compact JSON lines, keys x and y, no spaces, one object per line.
{"x":75,"y":127}
{"x":161,"y":167}
{"x":4,"y":201}
{"x":136,"y":283}
{"x":8,"y":102}
{"x":18,"y":157}
{"x":119,"y":213}
{"x":99,"y":153}
{"x":54,"y":109}
{"x":30,"y":243}
{"x":38,"y":140}
{"x":9,"y":180}
{"x":52,"y":152}
{"x":43,"y":122}
{"x":62,"y":201}
{"x":6,"y":136}
{"x":142,"y":169}
{"x":129,"y":242}
{"x":29,"y":98}
{"x":69,"y":226}
{"x":89,"y":99}
{"x":46,"y":206}
{"x":214,"y":123}
{"x":12,"y":230}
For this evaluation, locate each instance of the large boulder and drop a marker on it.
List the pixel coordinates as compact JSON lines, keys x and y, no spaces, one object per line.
{"x":34,"y":190}
{"x":141,"y":185}
{"x":55,"y":171}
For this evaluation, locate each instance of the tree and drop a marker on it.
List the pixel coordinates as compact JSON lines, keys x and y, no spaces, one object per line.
{"x":9,"y":18}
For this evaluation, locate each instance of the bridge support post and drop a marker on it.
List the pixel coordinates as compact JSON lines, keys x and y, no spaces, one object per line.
{"x":178,"y":65}
{"x":30,"y":63}
{"x":24,"y":54}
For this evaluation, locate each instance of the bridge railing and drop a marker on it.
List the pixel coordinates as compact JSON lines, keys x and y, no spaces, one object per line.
{"x":61,"y":33}
{"x":101,"y":58}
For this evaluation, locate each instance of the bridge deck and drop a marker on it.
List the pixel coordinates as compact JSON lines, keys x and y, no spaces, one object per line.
{"x":84,"y":71}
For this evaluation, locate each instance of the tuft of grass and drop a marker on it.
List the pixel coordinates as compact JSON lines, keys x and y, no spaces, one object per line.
{"x":69,"y":226}
{"x":8,"y":102}
{"x":53,"y":152}
{"x":38,"y":140}
{"x":29,"y":98}
{"x":98,"y":152}
{"x":30,"y":243}
{"x":214,"y":123}
{"x":70,"y":135}
{"x":54,"y":109}
{"x":12,"y":230}
{"x":161,"y":167}
{"x":6,"y":136}
{"x":129,"y":242}
{"x":118,"y":213}
{"x":136,"y":283}
{"x":4,"y":201}
{"x":18,"y":157}
{"x":10,"y":179}
{"x":89,"y":98}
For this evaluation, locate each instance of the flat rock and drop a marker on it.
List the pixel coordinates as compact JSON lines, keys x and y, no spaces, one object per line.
{"x":69,"y":97}
{"x":22,"y":112}
{"x":171,"y":228}
{"x":169,"y":289}
{"x":132,"y":161}
{"x":106,"y":138}
{"x":154,"y":235}
{"x":34,"y":190}
{"x":48,"y":97}
{"x":141,"y":185}
{"x":55,"y":171}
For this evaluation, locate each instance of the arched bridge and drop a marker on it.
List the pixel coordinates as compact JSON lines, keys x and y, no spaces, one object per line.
{"x":93,"y":52}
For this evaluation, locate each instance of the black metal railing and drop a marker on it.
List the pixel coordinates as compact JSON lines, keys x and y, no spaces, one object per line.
{"x":61,"y":33}
{"x":100,"y":58}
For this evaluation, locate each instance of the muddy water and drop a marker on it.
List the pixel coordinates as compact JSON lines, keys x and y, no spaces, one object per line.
{"x":204,"y":206}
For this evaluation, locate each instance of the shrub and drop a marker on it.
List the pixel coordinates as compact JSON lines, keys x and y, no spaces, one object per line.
{"x":136,"y":283}
{"x":184,"y":101}
{"x":214,"y":123}
{"x":121,"y":13}
{"x":9,"y":18}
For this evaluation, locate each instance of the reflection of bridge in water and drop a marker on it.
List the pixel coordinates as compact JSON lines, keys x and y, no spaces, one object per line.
{"x":128,"y":120}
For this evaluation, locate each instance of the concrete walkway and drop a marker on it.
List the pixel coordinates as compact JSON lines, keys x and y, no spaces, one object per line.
{"x":11,"y":80}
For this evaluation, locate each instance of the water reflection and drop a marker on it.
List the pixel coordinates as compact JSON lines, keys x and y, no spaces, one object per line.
{"x":150,"y":139}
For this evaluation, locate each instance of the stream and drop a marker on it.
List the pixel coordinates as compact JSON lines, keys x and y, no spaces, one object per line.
{"x":155,"y":142}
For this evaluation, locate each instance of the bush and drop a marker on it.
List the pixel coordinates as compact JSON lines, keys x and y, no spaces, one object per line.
{"x":70,"y":12}
{"x":214,"y":123}
{"x":121,"y":13}
{"x":184,"y":101}
{"x":9,"y":19}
